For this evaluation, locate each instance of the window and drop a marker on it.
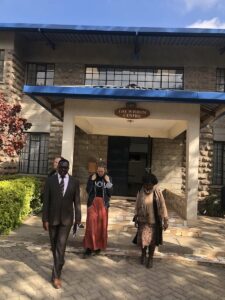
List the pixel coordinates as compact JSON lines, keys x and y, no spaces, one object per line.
{"x":40,"y":74}
{"x":219,"y":163}
{"x":150,"y":78}
{"x":2,"y":54}
{"x":34,"y":156}
{"x":220,"y":80}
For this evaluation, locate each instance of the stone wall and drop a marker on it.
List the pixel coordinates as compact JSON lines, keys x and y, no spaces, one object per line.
{"x":168,"y":164}
{"x":205,"y":161}
{"x":168,"y":158}
{"x":200,"y":78}
{"x":55,"y":140}
{"x":177,"y":202}
{"x":69,"y":74}
{"x":87,"y":148}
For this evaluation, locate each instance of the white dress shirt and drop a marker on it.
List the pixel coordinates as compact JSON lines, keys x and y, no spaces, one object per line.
{"x":66,"y":181}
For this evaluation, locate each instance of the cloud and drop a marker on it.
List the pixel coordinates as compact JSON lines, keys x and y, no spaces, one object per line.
{"x":202,"y":4}
{"x":212,"y":23}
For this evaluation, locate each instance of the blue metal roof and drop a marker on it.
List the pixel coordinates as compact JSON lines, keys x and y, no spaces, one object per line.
{"x":118,"y":35}
{"x":125,"y":94}
{"x":114,"y":29}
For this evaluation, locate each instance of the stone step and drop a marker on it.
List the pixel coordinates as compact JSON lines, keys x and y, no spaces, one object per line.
{"x":174,"y":231}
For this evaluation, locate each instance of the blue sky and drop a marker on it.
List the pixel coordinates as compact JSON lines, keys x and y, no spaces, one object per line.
{"x":148,"y":13}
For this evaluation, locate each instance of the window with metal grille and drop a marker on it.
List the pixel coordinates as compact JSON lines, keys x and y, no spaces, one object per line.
{"x":220,"y":80}
{"x":150,"y":78}
{"x":40,"y":74}
{"x":219,"y":163}
{"x":34,"y":156}
{"x":2,"y":55}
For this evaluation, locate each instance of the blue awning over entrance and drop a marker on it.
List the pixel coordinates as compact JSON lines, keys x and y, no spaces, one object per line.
{"x":52,"y":97}
{"x":105,"y":93}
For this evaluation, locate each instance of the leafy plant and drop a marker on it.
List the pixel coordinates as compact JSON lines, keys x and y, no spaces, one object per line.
{"x":211,"y":206}
{"x":19,"y":197}
{"x":12,"y":128}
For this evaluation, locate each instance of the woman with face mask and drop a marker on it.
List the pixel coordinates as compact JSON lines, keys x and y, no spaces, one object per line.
{"x":99,"y":189}
{"x":151,"y":218}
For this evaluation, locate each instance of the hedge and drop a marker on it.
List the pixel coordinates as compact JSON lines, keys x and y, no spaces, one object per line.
{"x":19,"y":196}
{"x":211,"y":206}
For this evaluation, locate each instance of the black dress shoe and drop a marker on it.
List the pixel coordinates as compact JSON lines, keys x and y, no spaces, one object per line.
{"x":97,"y":252}
{"x":87,"y":253}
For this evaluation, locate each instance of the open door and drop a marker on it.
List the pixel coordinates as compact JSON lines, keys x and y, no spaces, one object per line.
{"x":128,"y":159}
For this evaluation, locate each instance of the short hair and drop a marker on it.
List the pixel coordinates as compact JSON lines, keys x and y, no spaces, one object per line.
{"x":101,"y":164}
{"x":58,"y":157}
{"x":62,"y":161}
{"x":149,"y":179}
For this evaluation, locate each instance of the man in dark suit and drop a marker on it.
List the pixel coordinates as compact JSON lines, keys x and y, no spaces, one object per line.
{"x":61,"y":198}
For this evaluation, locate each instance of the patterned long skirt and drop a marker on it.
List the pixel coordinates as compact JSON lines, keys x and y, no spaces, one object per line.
{"x":96,"y":234}
{"x":146,"y":234}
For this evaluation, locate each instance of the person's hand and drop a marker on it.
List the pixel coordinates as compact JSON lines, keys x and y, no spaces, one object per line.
{"x":165,"y":224}
{"x":106,"y":177}
{"x":135,"y":220}
{"x":46,"y":226}
{"x":93,"y":177}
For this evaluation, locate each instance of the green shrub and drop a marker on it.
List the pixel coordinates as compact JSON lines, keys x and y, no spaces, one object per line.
{"x":19,"y":196}
{"x":211,"y":206}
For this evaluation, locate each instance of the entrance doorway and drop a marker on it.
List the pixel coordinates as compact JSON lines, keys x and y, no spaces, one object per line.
{"x":128,"y":158}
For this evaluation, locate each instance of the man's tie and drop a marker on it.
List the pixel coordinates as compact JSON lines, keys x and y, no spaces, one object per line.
{"x":62,"y":185}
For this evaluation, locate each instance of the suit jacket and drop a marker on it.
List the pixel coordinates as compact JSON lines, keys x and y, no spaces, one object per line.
{"x":59,"y":209}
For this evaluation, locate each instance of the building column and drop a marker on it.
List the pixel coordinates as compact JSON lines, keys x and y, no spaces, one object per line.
{"x":192,"y":164}
{"x":68,"y":133}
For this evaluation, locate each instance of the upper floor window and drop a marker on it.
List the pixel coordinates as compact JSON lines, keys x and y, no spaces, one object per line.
{"x":219,"y":163}
{"x":220,"y":80}
{"x":150,"y":78}
{"x":34,"y":156}
{"x":40,"y":74}
{"x":2,"y":54}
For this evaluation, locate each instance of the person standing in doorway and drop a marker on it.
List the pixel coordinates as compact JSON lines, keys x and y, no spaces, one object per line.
{"x":61,"y":198}
{"x":99,"y":189}
{"x":151,"y":218}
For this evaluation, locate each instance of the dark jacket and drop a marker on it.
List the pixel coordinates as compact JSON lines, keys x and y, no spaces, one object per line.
{"x":59,"y":209}
{"x":90,"y":188}
{"x":223,"y":198}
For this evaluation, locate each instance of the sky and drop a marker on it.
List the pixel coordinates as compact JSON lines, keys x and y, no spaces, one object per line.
{"x":137,"y":13}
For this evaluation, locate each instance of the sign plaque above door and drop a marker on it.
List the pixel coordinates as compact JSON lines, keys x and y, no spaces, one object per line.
{"x":131,"y":111}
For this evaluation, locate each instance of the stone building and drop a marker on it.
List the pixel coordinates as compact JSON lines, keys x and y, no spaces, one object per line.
{"x":71,"y":81}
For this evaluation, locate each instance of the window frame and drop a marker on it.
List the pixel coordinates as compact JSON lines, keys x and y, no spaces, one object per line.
{"x":35,"y":77}
{"x":28,"y":152}
{"x":219,"y":78}
{"x":218,"y":180}
{"x":121,"y":70}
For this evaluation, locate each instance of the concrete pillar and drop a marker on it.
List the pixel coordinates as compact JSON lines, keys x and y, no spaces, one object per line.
{"x":192,"y":163}
{"x":68,"y":133}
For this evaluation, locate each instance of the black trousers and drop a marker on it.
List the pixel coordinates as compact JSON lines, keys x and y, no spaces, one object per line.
{"x":58,"y":237}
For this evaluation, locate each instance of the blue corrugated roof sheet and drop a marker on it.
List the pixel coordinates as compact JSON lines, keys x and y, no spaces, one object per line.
{"x":104,"y":93}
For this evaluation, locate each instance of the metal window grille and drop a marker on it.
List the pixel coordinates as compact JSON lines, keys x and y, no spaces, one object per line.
{"x":34,"y":156}
{"x":2,"y":55}
{"x":150,"y":78}
{"x":219,"y":163}
{"x":220,"y":80}
{"x":40,"y":74}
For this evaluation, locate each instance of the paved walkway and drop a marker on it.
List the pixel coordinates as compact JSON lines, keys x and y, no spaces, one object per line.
{"x":25,"y":267}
